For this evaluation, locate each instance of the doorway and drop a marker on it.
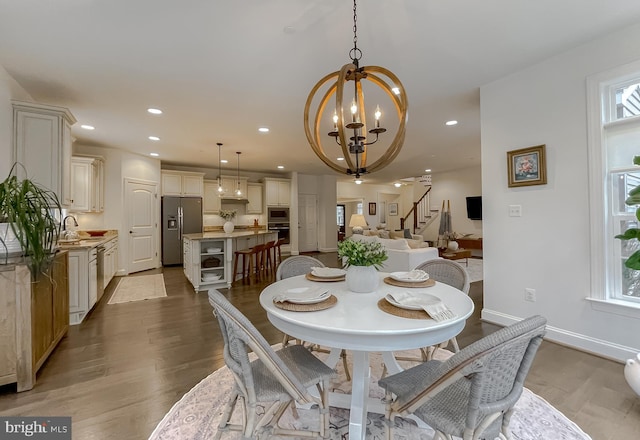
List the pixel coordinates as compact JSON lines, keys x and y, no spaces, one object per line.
{"x":340,"y":213}
{"x":142,"y":225}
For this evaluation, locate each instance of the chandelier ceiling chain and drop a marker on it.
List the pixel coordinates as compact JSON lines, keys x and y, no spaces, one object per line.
{"x":350,"y":134}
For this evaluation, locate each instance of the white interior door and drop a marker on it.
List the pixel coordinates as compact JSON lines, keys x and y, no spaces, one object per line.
{"x":142,"y":210}
{"x":308,"y":225}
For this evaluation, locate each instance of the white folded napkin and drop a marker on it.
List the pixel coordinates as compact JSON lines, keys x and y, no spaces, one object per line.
{"x":413,"y":275}
{"x":327,"y":272}
{"x":429,"y":303}
{"x":303,"y":294}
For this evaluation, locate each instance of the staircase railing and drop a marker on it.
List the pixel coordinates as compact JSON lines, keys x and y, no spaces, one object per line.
{"x":418,"y":214}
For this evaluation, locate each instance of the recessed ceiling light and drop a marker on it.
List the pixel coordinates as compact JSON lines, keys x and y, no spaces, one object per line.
{"x":453,"y":122}
{"x":154,"y":154}
{"x":88,"y":127}
{"x":154,"y":138}
{"x":281,"y":167}
{"x":263,"y":130}
{"x":340,"y":158}
{"x":428,"y":170}
{"x":224,"y":161}
{"x":397,"y":184}
{"x":154,"y":111}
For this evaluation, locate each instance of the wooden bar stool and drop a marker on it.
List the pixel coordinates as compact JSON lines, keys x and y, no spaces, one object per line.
{"x":251,"y":263}
{"x":269,"y":258}
{"x":277,"y":251}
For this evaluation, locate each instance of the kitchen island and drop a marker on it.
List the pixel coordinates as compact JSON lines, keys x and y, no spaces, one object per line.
{"x":208,"y":256}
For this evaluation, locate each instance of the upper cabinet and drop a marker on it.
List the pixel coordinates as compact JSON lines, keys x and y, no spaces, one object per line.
{"x":231,"y":184}
{"x":277,"y":192}
{"x":254,"y":194}
{"x":211,"y":202}
{"x":42,"y":143}
{"x":182,"y":183}
{"x":87,"y":184}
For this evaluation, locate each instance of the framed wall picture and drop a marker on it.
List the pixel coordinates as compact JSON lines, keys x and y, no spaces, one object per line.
{"x":527,"y":166}
{"x":372,"y":208}
{"x":393,"y":209}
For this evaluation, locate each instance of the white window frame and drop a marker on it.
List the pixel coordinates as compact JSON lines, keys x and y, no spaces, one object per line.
{"x":601,"y":115}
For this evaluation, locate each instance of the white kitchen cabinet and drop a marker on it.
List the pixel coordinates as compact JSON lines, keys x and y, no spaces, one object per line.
{"x":83,"y":283}
{"x":182,"y":183}
{"x":87,"y":184}
{"x":230,"y":186}
{"x":42,"y":144}
{"x":211,"y":202}
{"x":203,"y":259}
{"x":277,"y":192}
{"x":110,"y":262}
{"x":254,"y":194}
{"x":98,"y":184}
{"x":92,"y":291}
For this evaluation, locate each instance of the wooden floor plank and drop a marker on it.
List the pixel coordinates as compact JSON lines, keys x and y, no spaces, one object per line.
{"x":123,"y":368}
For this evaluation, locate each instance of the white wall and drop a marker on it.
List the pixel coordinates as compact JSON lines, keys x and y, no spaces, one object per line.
{"x":118,"y":166}
{"x":547,"y":249}
{"x":9,"y":89}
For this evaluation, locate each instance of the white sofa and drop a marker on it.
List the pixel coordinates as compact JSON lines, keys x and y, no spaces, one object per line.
{"x":401,"y":255}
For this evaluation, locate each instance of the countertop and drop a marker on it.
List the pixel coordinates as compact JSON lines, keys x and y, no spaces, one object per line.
{"x":234,"y":234}
{"x":88,"y":242}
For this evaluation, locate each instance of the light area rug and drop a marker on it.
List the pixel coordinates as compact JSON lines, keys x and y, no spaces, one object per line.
{"x":138,"y":288}
{"x":197,"y":414}
{"x":474,"y":268}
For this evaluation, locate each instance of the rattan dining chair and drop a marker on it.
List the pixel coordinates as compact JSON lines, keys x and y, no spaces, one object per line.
{"x":281,"y":378}
{"x":451,"y":273}
{"x":299,"y":265}
{"x":470,"y":395}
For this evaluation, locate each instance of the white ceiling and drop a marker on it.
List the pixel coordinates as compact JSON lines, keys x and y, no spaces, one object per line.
{"x":219,"y":69}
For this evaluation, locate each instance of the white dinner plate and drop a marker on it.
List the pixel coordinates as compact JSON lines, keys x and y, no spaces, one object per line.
{"x":304,"y":295}
{"x":415,"y":301}
{"x":213,"y":250}
{"x":406,"y":277}
{"x":327,"y":272}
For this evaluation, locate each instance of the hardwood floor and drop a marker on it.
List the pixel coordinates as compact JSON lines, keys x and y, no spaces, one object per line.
{"x":121,"y":370}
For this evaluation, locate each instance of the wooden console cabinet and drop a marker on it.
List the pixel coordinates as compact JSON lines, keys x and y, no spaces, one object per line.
{"x":35,"y":319}
{"x":470,"y":243}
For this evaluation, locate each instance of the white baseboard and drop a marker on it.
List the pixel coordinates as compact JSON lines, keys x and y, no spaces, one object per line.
{"x":606,"y":349}
{"x":335,"y":249}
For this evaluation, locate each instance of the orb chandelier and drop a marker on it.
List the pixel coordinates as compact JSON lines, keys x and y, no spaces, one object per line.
{"x":349,"y":115}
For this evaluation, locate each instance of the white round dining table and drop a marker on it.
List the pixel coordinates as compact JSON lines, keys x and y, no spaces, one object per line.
{"x":357,"y":324}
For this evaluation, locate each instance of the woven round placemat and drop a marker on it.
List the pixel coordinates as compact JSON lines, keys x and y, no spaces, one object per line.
{"x":425,"y":283}
{"x":327,"y":303}
{"x":312,"y":277}
{"x":387,"y":307}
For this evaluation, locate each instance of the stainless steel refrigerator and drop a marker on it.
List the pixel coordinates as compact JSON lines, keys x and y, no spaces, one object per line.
{"x":180,"y":215}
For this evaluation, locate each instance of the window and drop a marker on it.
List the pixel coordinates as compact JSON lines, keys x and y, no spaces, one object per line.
{"x":614,"y":139}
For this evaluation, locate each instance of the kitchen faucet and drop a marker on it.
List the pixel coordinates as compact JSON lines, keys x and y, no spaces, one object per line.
{"x":64,"y":222}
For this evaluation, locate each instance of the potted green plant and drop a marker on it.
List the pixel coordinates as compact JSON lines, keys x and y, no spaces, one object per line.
{"x":362,"y":259}
{"x":30,"y":212}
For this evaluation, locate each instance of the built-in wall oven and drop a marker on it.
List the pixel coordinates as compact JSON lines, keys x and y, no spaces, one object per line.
{"x":278,"y":220}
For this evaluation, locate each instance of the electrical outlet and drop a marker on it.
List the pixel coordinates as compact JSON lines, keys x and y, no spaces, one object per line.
{"x":530,"y":295}
{"x":515,"y":210}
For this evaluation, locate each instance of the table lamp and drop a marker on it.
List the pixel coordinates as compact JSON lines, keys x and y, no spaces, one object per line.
{"x":357,"y":222}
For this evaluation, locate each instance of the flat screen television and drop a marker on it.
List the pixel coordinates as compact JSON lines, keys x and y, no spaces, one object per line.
{"x":474,"y":207}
